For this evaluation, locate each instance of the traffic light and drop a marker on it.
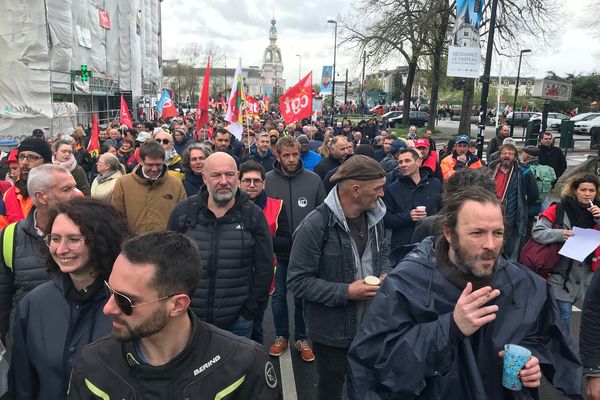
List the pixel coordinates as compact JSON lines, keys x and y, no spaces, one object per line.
{"x":85,"y":73}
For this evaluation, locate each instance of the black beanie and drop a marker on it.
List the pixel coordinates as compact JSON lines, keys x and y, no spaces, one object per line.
{"x":37,"y":145}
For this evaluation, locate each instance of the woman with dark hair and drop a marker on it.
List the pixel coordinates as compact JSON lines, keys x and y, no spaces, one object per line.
{"x":56,"y":319}
{"x":579,"y":206}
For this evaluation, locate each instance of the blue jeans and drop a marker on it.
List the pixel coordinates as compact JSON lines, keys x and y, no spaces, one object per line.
{"x":566,"y":312}
{"x":241,"y":327}
{"x":279,"y":307}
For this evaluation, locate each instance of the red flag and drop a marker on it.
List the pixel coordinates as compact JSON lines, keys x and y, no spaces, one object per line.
{"x":125,"y":117}
{"x":296,"y":103}
{"x":168,"y":107}
{"x":94,"y":144}
{"x":252,"y":106}
{"x":202,"y":111}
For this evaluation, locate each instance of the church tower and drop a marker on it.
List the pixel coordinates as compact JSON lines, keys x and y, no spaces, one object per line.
{"x":272,"y":67}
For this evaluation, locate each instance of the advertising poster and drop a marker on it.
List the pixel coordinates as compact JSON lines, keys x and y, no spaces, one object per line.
{"x":326,"y":79}
{"x":464,"y":52}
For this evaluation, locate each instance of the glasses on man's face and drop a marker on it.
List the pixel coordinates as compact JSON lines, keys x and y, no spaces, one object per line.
{"x":163,"y":141}
{"x":28,"y":157}
{"x":125,"y":304}
{"x":252,"y":181}
{"x":73,"y":242}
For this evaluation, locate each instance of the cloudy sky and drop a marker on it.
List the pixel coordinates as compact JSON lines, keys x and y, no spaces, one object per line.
{"x":240,"y":28}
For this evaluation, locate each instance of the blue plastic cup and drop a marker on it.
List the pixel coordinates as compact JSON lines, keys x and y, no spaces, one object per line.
{"x":515,"y":358}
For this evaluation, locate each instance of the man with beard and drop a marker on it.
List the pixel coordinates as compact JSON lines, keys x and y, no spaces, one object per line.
{"x":172,"y":158}
{"x":437,"y":328}
{"x":234,"y":239}
{"x":338,"y":258}
{"x":517,"y":190}
{"x":340,"y":148}
{"x":158,"y":348}
{"x":301,"y":191}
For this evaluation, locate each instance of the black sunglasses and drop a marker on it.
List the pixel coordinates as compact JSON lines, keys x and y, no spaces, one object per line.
{"x":125,"y":304}
{"x":163,"y":141}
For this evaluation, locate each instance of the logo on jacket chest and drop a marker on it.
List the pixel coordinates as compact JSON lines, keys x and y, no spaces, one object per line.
{"x":302,"y":202}
{"x":207,"y":365}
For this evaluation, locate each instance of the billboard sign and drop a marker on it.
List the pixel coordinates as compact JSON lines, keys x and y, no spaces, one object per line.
{"x":549,"y":89}
{"x":464,"y":52}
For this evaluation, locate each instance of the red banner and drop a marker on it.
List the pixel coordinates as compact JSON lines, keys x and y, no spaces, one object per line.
{"x":94,"y":144}
{"x":124,"y":116}
{"x":202,"y":110}
{"x":104,"y":18}
{"x":296,"y":103}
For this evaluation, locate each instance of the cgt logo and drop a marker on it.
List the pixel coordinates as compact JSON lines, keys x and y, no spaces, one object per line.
{"x":296,"y":104}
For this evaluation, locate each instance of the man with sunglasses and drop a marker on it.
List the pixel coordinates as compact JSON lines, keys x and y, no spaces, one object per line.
{"x":159,"y":348}
{"x":148,"y":194}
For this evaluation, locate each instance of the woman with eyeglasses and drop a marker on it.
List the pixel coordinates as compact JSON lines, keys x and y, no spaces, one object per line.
{"x":56,"y":319}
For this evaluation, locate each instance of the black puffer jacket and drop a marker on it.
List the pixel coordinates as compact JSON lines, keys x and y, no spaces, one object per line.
{"x":237,"y":258}
{"x":53,"y":324}
{"x":28,"y":269}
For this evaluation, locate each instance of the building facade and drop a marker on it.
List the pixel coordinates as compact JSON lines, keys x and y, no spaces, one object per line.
{"x":54,"y":43}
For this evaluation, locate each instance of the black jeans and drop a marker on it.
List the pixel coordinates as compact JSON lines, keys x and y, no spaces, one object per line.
{"x":331,"y":368}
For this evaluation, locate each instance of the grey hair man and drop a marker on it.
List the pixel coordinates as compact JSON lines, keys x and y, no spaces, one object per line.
{"x":22,"y":268}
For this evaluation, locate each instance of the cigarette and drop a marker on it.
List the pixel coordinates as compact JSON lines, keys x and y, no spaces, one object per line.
{"x":591,"y":203}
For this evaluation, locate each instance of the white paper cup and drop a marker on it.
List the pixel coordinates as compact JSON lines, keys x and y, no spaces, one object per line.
{"x":372,"y":280}
{"x":422,"y":208}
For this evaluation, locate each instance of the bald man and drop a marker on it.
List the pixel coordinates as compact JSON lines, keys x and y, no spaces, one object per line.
{"x":235,"y":244}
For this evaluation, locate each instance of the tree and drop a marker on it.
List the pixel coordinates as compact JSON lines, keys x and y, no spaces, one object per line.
{"x":389,"y":28}
{"x":418,"y":29}
{"x":398,"y":86}
{"x":373,"y":85}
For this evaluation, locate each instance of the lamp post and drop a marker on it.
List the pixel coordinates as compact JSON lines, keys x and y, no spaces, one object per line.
{"x":331,"y":21}
{"x":485,"y":79}
{"x":512,"y":122}
{"x":299,"y":66}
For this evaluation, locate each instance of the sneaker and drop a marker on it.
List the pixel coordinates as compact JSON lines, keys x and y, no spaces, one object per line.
{"x":305,"y":350}
{"x":278,"y":346}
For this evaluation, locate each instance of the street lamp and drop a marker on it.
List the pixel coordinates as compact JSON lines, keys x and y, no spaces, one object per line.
{"x":331,"y":21}
{"x":299,"y":66}
{"x":512,"y":122}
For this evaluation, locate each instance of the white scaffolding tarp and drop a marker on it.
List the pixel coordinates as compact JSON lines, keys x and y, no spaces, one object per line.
{"x":24,"y":74}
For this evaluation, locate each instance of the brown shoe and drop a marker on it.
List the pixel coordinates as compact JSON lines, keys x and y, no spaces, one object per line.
{"x":278,"y":346}
{"x":305,"y":351}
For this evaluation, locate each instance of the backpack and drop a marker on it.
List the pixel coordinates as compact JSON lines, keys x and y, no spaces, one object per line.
{"x":545,"y":178}
{"x":8,"y":245}
{"x":544,"y":258}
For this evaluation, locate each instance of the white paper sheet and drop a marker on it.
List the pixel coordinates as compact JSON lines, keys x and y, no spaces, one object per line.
{"x":579,"y":246}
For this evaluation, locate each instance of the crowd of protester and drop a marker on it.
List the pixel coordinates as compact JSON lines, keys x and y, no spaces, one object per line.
{"x":401,"y":254}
